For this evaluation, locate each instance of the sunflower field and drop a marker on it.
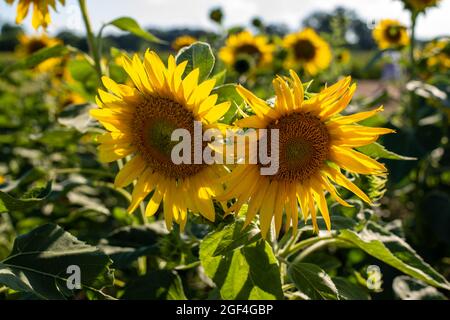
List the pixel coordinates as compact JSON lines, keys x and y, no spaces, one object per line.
{"x":93,"y":205}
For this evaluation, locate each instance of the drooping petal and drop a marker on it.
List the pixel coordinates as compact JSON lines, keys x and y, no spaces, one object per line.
{"x":130,"y":171}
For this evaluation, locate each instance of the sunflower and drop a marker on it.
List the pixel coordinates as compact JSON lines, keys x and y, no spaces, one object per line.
{"x":243,"y":49}
{"x":420,"y":5}
{"x":70,"y":98}
{"x":41,"y":15}
{"x":438,"y":53}
{"x":31,"y":44}
{"x":140,"y":121}
{"x":307,"y":50}
{"x":390,"y":34}
{"x":183,"y":41}
{"x":343,"y":57}
{"x":315,"y":143}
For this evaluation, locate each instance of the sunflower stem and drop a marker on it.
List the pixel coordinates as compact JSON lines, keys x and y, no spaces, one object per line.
{"x":301,"y":245}
{"x":316,"y":246}
{"x":90,"y":38}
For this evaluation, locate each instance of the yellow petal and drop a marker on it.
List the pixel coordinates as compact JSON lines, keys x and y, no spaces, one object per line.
{"x":321,"y":202}
{"x":356,"y":117}
{"x":118,"y":90}
{"x":128,"y":65}
{"x":342,"y":180}
{"x":155,"y":69}
{"x":292,"y":196}
{"x":168,"y":205}
{"x":279,"y":205}
{"x":144,"y":185}
{"x":22,"y":11}
{"x":267,"y":209}
{"x":312,"y":209}
{"x":207,"y":104}
{"x":298,"y":90}
{"x":130,"y":171}
{"x":256,"y":200}
{"x":303,"y":200}
{"x":201,"y":92}
{"x":355,"y":161}
{"x":190,"y":82}
{"x":116,"y":152}
{"x":217,"y":112}
{"x":258,"y":105}
{"x":154,"y":202}
{"x":251,"y":122}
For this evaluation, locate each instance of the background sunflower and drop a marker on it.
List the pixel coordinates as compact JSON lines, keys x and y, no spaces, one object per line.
{"x":307,"y":50}
{"x":243,"y":49}
{"x":29,"y":45}
{"x":390,"y":34}
{"x":183,"y":41}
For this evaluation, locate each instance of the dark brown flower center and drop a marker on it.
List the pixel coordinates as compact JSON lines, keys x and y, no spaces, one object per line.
{"x":34,"y":46}
{"x":153,"y":124}
{"x":393,"y":33}
{"x":249,"y":49}
{"x":303,"y":146}
{"x":304,"y":50}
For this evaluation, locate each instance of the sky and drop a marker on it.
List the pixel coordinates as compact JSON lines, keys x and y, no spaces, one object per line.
{"x":194,"y":13}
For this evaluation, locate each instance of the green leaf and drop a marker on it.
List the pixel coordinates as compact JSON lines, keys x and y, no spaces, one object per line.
{"x":126,"y":244}
{"x":32,"y":198}
{"x":220,"y":77}
{"x":36,"y":58}
{"x":199,"y":55}
{"x":39,"y":260}
{"x":227,"y":92}
{"x":323,"y":260}
{"x":233,"y":236}
{"x":376,"y":150}
{"x":407,"y":288}
{"x":350,"y":291}
{"x":130,"y":25}
{"x":158,"y":285}
{"x":394,"y":251}
{"x":312,"y":281}
{"x":7,"y":234}
{"x":240,"y":267}
{"x":77,"y":116}
{"x":81,"y":70}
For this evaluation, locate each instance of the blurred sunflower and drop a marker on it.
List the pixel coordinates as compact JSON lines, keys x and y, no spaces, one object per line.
{"x":390,"y":34}
{"x":306,"y":49}
{"x":140,"y":121}
{"x":72,"y":98}
{"x":343,"y":57}
{"x":420,"y":5}
{"x":183,"y":41}
{"x":438,"y":53}
{"x":244,"y":50}
{"x":315,"y":142}
{"x":31,"y":44}
{"x":41,"y":15}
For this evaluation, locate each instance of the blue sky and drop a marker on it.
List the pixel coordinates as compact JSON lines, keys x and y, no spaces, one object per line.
{"x":194,"y":13}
